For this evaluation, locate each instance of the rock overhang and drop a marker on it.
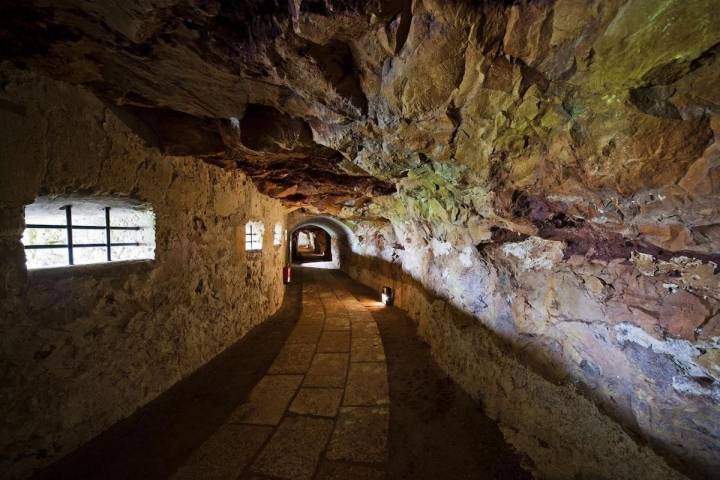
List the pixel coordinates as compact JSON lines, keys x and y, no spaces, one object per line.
{"x":563,"y":152}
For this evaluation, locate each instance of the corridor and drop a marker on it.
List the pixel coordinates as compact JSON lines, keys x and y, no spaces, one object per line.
{"x":537,"y":182}
{"x":336,"y":386}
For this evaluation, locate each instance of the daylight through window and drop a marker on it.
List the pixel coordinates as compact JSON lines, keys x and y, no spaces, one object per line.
{"x":277,"y":237}
{"x":253,"y":236}
{"x":66,"y":232}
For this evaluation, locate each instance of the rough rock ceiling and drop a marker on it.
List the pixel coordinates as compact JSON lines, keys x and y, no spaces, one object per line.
{"x":589,"y":121}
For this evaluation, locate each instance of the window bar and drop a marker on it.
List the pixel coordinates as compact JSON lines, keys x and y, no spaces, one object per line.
{"x":107,"y":233}
{"x":83,"y":245}
{"x":68,"y":229}
{"x":79,"y":227}
{"x":250,"y":243}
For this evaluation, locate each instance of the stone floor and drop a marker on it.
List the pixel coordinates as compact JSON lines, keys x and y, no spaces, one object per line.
{"x":322,"y":408}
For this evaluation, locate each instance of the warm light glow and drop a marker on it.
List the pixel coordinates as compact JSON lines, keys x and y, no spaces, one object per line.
{"x":254,"y":236}
{"x":277,"y":235}
{"x":387,"y":296}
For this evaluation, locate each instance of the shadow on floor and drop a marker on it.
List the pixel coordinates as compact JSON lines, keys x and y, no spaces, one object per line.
{"x":436,"y":430}
{"x":154,"y":441}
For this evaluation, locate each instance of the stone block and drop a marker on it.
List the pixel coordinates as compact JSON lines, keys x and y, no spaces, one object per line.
{"x":360,"y":435}
{"x":319,"y":402}
{"x":294,"y":450}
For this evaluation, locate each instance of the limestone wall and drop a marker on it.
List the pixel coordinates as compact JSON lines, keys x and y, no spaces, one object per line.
{"x":567,"y":355}
{"x":82,"y":348}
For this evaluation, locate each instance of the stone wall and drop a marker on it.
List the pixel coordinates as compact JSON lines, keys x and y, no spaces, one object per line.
{"x":82,"y":348}
{"x":567,"y":355}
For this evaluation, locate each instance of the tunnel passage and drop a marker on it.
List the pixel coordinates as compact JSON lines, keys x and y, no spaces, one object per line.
{"x":334,"y":386}
{"x":538,"y":183}
{"x":311,"y":244}
{"x":318,"y":241}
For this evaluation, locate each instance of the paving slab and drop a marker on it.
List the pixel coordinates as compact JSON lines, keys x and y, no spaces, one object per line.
{"x":312,"y":310}
{"x":367,"y":350}
{"x":361,"y":316}
{"x":348,"y":471}
{"x":305,"y":333}
{"x":293,"y":358}
{"x":320,"y":402}
{"x":354,"y":307}
{"x":334,"y":312}
{"x":294,"y":450}
{"x":368,"y":329}
{"x":268,"y":400}
{"x":254,"y":476}
{"x":327,"y":370}
{"x":314,"y":313}
{"x":225,"y":454}
{"x":367,"y":384}
{"x":337,"y":322}
{"x":332,"y":305}
{"x":360,"y":435}
{"x":334,"y":342}
{"x":311,"y":303}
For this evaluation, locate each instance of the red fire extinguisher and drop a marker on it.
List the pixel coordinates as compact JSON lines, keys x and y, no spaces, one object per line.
{"x":287,"y":274}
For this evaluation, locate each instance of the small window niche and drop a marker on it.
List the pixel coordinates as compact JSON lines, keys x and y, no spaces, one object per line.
{"x":254,"y":236}
{"x":65,"y":232}
{"x":277,"y":235}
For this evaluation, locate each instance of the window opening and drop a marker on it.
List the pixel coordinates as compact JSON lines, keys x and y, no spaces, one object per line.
{"x":82,"y":233}
{"x":253,"y":236}
{"x":277,"y":238}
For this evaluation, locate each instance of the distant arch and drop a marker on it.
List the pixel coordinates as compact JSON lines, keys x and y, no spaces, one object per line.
{"x":310,"y":244}
{"x":339,"y":233}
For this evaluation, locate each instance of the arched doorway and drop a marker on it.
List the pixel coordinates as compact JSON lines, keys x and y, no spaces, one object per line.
{"x":311,"y":244}
{"x":339,"y":239}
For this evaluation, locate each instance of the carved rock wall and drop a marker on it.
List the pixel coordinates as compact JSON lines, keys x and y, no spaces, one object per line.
{"x":83,"y":348}
{"x":592,"y":369}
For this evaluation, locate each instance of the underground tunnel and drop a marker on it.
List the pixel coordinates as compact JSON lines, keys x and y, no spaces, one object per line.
{"x":348,"y":239}
{"x":310,"y":244}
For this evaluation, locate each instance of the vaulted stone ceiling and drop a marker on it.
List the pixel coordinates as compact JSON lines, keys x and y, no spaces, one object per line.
{"x":578,"y":120}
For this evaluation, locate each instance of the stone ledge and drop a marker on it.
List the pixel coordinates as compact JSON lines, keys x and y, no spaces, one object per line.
{"x":94,"y":269}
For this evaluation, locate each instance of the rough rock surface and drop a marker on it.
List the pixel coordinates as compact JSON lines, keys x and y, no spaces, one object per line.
{"x":545,"y":384}
{"x":81,"y":349}
{"x":550,"y":169}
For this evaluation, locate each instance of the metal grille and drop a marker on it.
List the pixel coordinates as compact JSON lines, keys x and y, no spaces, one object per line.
{"x":277,"y":238}
{"x":252,"y":237}
{"x":69,"y":227}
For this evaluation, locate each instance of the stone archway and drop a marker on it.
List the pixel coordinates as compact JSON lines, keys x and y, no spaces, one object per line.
{"x":339,"y":239}
{"x":311,"y":244}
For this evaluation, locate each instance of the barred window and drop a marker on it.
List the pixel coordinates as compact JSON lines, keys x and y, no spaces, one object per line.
{"x":254,"y":236}
{"x":76,"y":231}
{"x":277,"y":237}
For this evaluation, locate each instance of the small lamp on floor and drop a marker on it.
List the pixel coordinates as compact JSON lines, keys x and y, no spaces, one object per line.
{"x":387,"y":296}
